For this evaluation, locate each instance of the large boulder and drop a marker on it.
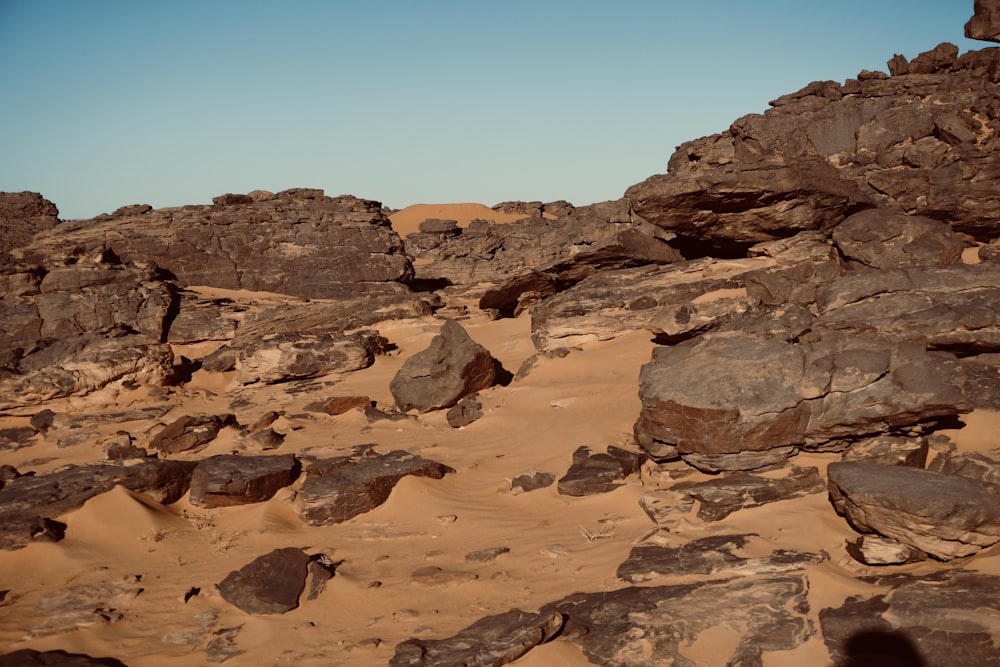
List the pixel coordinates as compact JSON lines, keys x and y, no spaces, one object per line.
{"x":453,"y":366}
{"x":946,"y":516}
{"x":763,"y":398}
{"x":280,"y":357}
{"x":985,"y":22}
{"x":272,"y":583}
{"x":225,"y":480}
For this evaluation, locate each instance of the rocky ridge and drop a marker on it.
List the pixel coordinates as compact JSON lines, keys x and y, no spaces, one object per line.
{"x":817,"y":284}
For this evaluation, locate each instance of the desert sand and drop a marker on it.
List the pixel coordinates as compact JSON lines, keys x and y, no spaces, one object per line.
{"x":407,"y":220}
{"x":163,"y":563}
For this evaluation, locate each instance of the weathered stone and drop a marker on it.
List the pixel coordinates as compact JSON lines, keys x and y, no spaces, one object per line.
{"x":623,"y":628}
{"x":32,"y":497}
{"x":189,"y":433}
{"x":946,"y":516}
{"x":299,"y":242}
{"x":592,"y":474}
{"x":466,"y":411}
{"x":453,"y":366}
{"x":270,"y":584}
{"x":489,"y":642}
{"x":716,"y":555}
{"x":945,"y":307}
{"x":224,"y":480}
{"x":27,"y":657}
{"x":532,"y":482}
{"x":883,"y":239}
{"x":932,"y":619}
{"x":879,"y":550}
{"x":718,"y":396}
{"x":70,"y":607}
{"x":486,"y":555}
{"x":296,"y":356}
{"x":972,"y":465}
{"x":721,"y":496}
{"x":985,"y":22}
{"x":22,"y":215}
{"x":890,"y":450}
{"x":339,"y":489}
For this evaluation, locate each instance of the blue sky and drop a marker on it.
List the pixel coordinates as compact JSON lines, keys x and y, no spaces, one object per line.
{"x":111,"y":102}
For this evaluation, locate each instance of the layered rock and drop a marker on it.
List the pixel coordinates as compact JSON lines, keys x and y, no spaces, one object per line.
{"x":946,"y":516}
{"x":985,"y":23}
{"x":22,"y":215}
{"x":921,"y":142}
{"x":742,"y":402}
{"x":298,"y":242}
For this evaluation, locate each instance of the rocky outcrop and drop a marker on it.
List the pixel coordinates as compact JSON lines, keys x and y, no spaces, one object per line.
{"x":190,"y":433}
{"x":946,"y":516}
{"x":985,"y":23}
{"x":298,"y":242}
{"x":881,"y":239}
{"x":453,"y":366}
{"x":22,"y":215}
{"x":921,"y":142}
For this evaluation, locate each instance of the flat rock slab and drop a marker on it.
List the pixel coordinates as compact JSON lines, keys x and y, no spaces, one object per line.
{"x":29,"y":503}
{"x":338,"y":489}
{"x":270,"y":584}
{"x":720,"y":497}
{"x":716,"y":555}
{"x":489,"y":642}
{"x":221,"y":481}
{"x":592,"y":474}
{"x":945,"y":619}
{"x":623,"y":628}
{"x":947,"y":516}
{"x":452,"y":367}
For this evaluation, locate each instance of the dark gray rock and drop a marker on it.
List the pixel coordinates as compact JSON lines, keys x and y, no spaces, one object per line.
{"x":932,"y":619}
{"x":339,"y":489}
{"x":882,"y":239}
{"x":532,"y":481}
{"x":716,"y":555}
{"x":28,"y":503}
{"x":489,"y":642}
{"x":270,"y":584}
{"x":592,"y":474}
{"x":985,"y":22}
{"x":224,"y":480}
{"x":762,"y":398}
{"x":27,"y":657}
{"x":623,"y":628}
{"x":946,"y":516}
{"x":453,"y":366}
{"x":298,"y":242}
{"x":189,"y":433}
{"x":22,"y":215}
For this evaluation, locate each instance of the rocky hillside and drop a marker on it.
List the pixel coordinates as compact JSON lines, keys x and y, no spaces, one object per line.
{"x":745,"y":415}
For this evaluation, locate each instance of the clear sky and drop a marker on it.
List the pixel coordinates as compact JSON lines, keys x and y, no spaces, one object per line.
{"x":111,"y":102}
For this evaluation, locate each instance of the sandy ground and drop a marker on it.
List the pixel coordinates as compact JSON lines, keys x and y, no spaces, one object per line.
{"x":373,"y":603}
{"x":407,"y":220}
